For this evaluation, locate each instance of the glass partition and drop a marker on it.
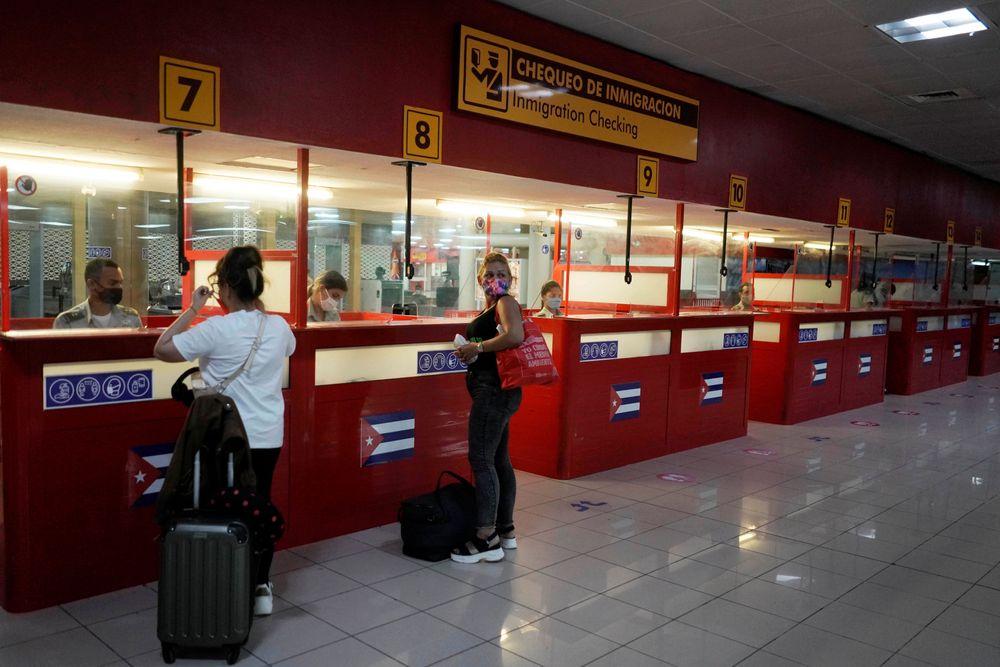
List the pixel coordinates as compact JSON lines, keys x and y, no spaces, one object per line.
{"x":972,"y":277}
{"x":792,"y":270}
{"x":596,"y":277}
{"x":62,"y":214}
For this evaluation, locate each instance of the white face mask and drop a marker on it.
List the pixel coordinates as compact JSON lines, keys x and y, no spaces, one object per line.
{"x":329,"y":304}
{"x":553,"y":303}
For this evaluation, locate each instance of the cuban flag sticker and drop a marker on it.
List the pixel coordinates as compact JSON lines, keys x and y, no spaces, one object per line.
{"x":819,"y":372}
{"x":928,"y":355}
{"x":956,"y":351}
{"x":145,"y":470}
{"x":387,"y":437}
{"x":625,"y":401}
{"x":865,"y":365}
{"x":711,"y":388}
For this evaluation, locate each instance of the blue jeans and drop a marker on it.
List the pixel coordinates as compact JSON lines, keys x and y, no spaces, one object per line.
{"x":489,"y":419}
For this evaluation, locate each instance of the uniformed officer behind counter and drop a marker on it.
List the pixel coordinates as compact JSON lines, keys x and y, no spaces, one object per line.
{"x":101,"y":310}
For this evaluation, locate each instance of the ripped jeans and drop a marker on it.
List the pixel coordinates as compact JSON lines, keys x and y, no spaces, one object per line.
{"x":489,"y":419}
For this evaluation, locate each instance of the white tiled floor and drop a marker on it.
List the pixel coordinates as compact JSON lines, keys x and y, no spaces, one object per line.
{"x":847,"y":545}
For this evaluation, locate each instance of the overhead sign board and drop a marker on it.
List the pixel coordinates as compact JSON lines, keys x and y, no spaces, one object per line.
{"x":189,"y":94}
{"x":505,"y":79}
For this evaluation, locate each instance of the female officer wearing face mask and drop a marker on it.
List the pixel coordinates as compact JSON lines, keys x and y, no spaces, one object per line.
{"x":326,"y":297}
{"x":551,"y":300}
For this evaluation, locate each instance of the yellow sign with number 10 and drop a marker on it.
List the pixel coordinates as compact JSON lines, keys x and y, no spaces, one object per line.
{"x":738,"y":192}
{"x":189,"y":94}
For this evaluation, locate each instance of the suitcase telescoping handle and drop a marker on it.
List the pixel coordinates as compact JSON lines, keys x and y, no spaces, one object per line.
{"x":197,"y":478}
{"x":197,"y":475}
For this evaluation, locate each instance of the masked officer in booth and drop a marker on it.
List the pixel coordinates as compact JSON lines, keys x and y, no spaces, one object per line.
{"x":101,"y":310}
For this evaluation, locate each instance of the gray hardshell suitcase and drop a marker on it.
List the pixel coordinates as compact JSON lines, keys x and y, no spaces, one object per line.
{"x":206,"y":583}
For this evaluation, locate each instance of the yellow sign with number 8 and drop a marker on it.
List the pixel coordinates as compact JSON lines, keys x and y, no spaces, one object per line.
{"x":422,"y":134}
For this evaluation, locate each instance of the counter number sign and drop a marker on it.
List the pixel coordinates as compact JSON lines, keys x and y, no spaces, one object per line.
{"x":979,"y":236}
{"x":422,"y":134}
{"x":189,"y":94}
{"x":738,"y":192}
{"x":844,"y":212}
{"x":889,"y":222}
{"x":950,"y":232}
{"x":648,"y":176}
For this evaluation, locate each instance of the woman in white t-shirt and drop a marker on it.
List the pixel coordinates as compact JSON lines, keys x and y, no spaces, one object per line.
{"x":221,"y":345}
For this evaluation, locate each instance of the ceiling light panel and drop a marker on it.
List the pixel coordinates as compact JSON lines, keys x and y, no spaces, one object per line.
{"x":934,"y":26}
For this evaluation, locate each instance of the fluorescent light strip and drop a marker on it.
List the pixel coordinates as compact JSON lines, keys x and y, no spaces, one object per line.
{"x":584,"y":219}
{"x":69,"y":170}
{"x":479,"y":208}
{"x":702,"y":234}
{"x":258,"y":189}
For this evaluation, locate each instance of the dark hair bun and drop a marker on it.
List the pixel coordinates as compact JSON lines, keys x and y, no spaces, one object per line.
{"x":242,"y":271}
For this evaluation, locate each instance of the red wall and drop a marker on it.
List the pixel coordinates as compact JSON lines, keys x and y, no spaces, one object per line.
{"x":336,"y":74}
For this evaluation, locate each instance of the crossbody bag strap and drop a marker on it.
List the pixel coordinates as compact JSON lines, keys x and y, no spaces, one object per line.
{"x":222,"y":386}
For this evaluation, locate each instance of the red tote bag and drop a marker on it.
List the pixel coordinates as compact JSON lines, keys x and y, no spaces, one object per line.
{"x":528,"y":363}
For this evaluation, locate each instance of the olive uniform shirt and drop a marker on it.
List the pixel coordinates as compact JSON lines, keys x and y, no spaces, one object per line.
{"x":80,"y":317}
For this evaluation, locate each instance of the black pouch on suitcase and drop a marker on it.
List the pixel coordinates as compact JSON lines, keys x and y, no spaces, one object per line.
{"x":435,"y":523}
{"x":205,"y":592}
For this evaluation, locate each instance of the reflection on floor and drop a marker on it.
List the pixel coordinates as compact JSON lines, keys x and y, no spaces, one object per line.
{"x":870,"y":537}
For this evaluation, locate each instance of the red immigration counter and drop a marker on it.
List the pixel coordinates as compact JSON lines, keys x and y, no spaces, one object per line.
{"x":929,"y":348}
{"x":633,"y":388}
{"x":985,"y":351}
{"x":88,"y":428}
{"x":808,"y":364}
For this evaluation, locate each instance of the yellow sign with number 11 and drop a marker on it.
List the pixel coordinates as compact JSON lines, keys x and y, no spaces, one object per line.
{"x":844,"y":212}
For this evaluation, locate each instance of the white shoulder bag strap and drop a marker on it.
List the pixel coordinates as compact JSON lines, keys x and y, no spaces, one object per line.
{"x":222,"y":386}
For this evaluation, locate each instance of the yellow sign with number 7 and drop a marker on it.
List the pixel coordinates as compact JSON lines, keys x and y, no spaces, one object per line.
{"x":189,"y":94}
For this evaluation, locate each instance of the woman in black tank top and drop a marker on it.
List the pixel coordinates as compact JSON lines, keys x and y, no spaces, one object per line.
{"x":498,"y":327}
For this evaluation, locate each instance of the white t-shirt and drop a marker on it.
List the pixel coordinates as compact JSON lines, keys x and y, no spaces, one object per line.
{"x":103,"y":321}
{"x":221,"y":345}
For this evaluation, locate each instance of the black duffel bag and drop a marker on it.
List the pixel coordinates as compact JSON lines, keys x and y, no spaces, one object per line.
{"x":435,"y":523}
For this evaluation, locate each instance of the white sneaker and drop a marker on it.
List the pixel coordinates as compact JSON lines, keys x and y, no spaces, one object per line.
{"x":508,"y":542}
{"x":263,"y":600}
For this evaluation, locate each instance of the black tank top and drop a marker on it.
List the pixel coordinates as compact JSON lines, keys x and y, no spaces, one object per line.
{"x":484,"y":327}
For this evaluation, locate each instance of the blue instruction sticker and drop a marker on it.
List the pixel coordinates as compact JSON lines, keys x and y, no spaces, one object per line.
{"x":439,"y":361}
{"x":78,"y":391}
{"x":994,"y":318}
{"x":879,"y":329}
{"x":735,"y":340}
{"x":98,"y":252}
{"x":599,"y":351}
{"x":921,"y":325}
{"x":810,"y":335}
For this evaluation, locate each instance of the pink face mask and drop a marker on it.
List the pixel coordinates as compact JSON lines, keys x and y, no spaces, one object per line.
{"x":495,"y":287}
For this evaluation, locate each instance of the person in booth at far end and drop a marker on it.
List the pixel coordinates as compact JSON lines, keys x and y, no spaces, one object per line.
{"x":101,"y":310}
{"x":246,"y":336}
{"x":746,"y":298}
{"x":498,"y":327}
{"x":326,"y":297}
{"x":551,"y":300}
